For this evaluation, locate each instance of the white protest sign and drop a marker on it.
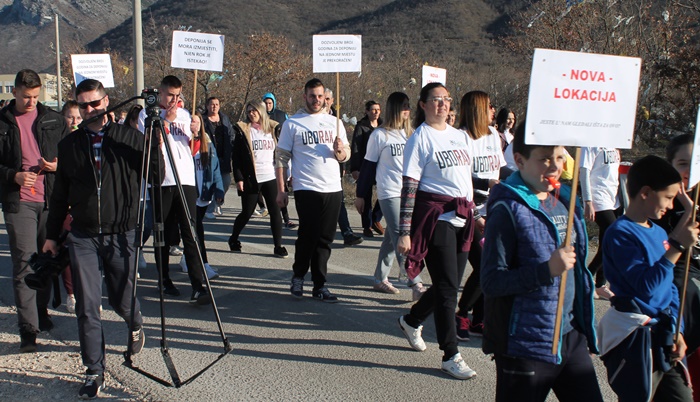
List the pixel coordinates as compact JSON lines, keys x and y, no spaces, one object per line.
{"x":197,"y":51}
{"x":582,"y":99}
{"x":694,"y":177}
{"x":95,"y":66}
{"x":434,"y":74}
{"x":337,"y":53}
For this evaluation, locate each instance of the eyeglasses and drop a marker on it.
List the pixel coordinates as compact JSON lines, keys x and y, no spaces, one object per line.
{"x":440,"y":99}
{"x":93,"y":104}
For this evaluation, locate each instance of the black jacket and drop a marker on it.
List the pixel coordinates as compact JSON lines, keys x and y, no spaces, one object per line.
{"x":244,"y":160}
{"x":360,"y":136}
{"x":115,"y":209}
{"x":50,"y":129}
{"x":223,"y":140}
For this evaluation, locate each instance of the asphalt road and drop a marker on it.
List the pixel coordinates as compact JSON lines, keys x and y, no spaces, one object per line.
{"x":283,"y":348}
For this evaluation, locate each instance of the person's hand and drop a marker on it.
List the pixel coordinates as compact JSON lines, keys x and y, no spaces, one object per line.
{"x":589,"y":211}
{"x":493,"y":182}
{"x":239,"y":186}
{"x":360,"y":205}
{"x":282,"y":199}
{"x":687,"y":235}
{"x":480,"y":224}
{"x":50,"y":245}
{"x":684,"y":199}
{"x":679,"y":348}
{"x":562,"y":259}
{"x":404,"y":244}
{"x":25,"y":179}
{"x":355,"y":175}
{"x":338,"y":148}
{"x":48,"y":166}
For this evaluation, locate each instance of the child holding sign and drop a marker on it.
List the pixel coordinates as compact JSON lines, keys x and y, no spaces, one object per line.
{"x":636,"y":335}
{"x":521,"y":267}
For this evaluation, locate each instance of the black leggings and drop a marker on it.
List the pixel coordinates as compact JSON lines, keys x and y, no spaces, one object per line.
{"x":472,"y":298}
{"x":604,"y":219}
{"x":268,"y":190}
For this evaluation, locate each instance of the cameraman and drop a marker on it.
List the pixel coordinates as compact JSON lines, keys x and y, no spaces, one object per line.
{"x":99,"y":178}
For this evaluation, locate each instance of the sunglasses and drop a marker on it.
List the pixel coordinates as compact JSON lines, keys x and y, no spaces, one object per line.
{"x":93,"y":104}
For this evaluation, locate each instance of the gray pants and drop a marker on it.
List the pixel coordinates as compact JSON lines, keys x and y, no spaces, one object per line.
{"x":387,"y":251}
{"x":91,"y":257}
{"x":26,"y":230}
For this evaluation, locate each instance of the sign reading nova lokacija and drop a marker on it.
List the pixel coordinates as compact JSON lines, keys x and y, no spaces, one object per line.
{"x":197,"y":51}
{"x":337,"y":53}
{"x":94,"y":66}
{"x":582,"y":99}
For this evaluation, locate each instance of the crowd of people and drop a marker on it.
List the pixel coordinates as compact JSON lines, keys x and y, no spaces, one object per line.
{"x":454,"y":185}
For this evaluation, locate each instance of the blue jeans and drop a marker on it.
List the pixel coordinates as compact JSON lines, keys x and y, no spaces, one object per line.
{"x":387,"y":252}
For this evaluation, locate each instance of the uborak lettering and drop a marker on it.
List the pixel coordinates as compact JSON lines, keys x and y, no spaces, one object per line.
{"x":452,"y":158}
{"x":611,"y":156}
{"x":396,"y":149}
{"x":263,"y":145}
{"x":483,"y":164}
{"x":317,"y":137}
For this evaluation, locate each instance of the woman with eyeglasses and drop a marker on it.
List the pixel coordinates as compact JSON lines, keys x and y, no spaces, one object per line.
{"x":254,"y":172}
{"x":383,"y":163}
{"x":436,"y":222}
{"x":475,"y":114}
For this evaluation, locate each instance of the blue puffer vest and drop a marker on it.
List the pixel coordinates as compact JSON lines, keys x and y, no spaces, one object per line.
{"x":528,"y":329}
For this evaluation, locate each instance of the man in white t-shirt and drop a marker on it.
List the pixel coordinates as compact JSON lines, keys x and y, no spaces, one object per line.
{"x":316,"y":145}
{"x":176,"y":122}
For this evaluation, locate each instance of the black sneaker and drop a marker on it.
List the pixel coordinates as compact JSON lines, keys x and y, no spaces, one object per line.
{"x":351,"y":239}
{"x":138,"y":339}
{"x":462,"y":326}
{"x":281,"y":252}
{"x":297,"y":287}
{"x":94,"y":383}
{"x":367,"y":232}
{"x":27,"y":342}
{"x":290,"y":225}
{"x":169,"y":288}
{"x":200,"y":296}
{"x":235,"y":246}
{"x":324,"y":295}
{"x":45,"y":323}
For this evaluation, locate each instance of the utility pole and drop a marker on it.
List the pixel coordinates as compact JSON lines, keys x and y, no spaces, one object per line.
{"x":59,"y":81}
{"x":138,"y":51}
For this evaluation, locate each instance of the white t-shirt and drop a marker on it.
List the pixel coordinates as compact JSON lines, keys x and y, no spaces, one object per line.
{"x":179,"y":140}
{"x":604,"y":166}
{"x":309,"y":138}
{"x":264,"y":152}
{"x":487,"y":157}
{"x":386,"y":147}
{"x":441,"y":162}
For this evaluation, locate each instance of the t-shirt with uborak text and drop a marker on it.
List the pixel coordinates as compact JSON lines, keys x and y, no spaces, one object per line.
{"x":264,"y":152}
{"x":604,"y":167}
{"x":487,"y":159}
{"x":385,"y":147}
{"x":309,"y":138}
{"x":440,"y":161}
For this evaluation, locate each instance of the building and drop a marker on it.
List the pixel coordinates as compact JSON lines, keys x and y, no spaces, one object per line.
{"x":48,"y":95}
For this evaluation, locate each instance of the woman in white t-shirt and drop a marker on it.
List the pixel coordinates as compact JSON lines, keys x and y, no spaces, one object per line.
{"x":436,"y":222}
{"x":254,"y":173}
{"x":383,"y":162}
{"x":208,"y":182}
{"x":600,"y":181}
{"x":505,"y":123}
{"x":487,"y":160}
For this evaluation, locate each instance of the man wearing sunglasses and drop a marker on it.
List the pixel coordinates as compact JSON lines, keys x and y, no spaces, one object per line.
{"x":29,"y":134}
{"x":99,"y":179}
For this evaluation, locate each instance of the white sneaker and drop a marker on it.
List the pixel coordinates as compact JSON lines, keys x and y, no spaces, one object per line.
{"x":264,"y":212}
{"x":218,"y":211}
{"x":211,"y":272}
{"x":417,"y":290}
{"x":257,"y":213}
{"x":415,"y":339}
{"x":457,"y":368}
{"x":70,"y":303}
{"x":209,"y":215}
{"x":183,"y":264}
{"x":142,"y":261}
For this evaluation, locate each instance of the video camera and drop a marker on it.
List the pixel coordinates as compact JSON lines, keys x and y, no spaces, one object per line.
{"x":46,"y":268}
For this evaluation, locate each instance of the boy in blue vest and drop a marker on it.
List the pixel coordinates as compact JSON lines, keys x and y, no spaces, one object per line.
{"x":637,"y":334}
{"x":523,"y":260}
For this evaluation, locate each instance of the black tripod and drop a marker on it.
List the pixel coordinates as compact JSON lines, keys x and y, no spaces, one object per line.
{"x":153,"y":131}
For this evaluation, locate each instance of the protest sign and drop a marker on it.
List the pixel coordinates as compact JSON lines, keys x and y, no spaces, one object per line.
{"x":337,"y":53}
{"x":434,"y":74}
{"x":197,"y":51}
{"x":694,"y":176}
{"x":582,"y":99}
{"x":95,"y":66}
